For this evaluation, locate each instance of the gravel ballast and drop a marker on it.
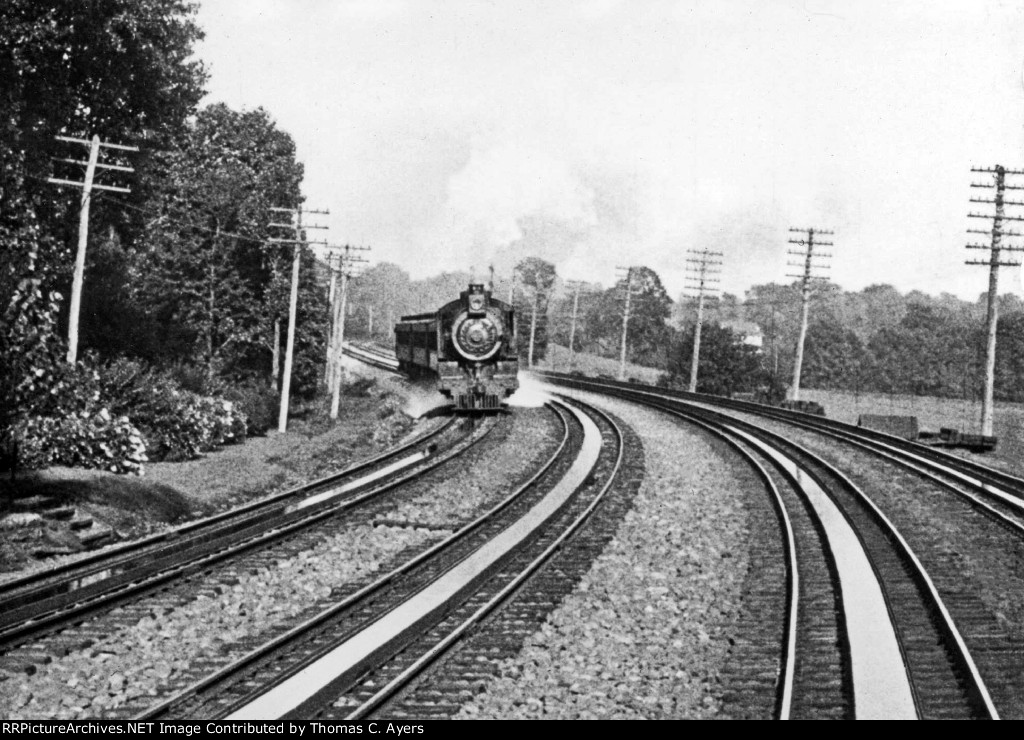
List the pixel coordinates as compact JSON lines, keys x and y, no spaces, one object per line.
{"x":145,"y":654}
{"x":155,"y":645}
{"x":647,"y":632}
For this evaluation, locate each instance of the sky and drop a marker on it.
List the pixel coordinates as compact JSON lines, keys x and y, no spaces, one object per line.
{"x":456,"y":134}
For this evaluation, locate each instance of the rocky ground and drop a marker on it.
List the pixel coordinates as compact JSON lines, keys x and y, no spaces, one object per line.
{"x":148,"y":650}
{"x":647,"y":632}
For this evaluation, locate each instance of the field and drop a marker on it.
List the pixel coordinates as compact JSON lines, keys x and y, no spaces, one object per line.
{"x":933,"y":413}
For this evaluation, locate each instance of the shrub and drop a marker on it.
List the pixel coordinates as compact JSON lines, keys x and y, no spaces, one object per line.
{"x":392,"y":423}
{"x":82,"y":440}
{"x":259,"y":403}
{"x":180,"y":425}
{"x":112,"y":416}
{"x":177,"y":424}
{"x":361,"y":387}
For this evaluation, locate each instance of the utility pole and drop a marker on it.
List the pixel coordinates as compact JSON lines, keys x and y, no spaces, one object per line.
{"x":628,"y":279}
{"x":332,"y":291}
{"x":340,"y":263}
{"x":298,"y":242}
{"x":702,"y":280}
{"x":996,"y":247}
{"x":334,"y":279}
{"x":347,"y":266}
{"x":533,"y":329}
{"x":576,"y":285}
{"x":805,"y":277}
{"x":87,"y":185}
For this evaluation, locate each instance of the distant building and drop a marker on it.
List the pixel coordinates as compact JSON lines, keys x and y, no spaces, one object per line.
{"x":750,"y":332}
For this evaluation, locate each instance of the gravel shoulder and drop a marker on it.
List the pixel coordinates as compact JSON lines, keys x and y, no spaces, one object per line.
{"x":648,"y":631}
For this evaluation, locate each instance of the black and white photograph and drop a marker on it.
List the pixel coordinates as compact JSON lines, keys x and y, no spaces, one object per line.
{"x":370,"y":363}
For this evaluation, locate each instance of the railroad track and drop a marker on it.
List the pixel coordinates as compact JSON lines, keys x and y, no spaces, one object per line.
{"x":46,"y":602}
{"x":371,"y":355}
{"x":866,"y":632}
{"x":374,"y":646}
{"x":998,"y":494}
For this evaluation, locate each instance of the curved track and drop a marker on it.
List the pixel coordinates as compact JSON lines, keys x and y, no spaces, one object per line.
{"x":827,"y":673}
{"x":402,"y":622}
{"x":997,"y":493}
{"x":47,"y":601}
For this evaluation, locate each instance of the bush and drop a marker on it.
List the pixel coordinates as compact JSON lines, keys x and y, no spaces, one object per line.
{"x":176,"y":424}
{"x":112,"y":416}
{"x":258,"y":402}
{"x":82,"y":440}
{"x":666,"y":380}
{"x":180,"y":425}
{"x":392,"y":423}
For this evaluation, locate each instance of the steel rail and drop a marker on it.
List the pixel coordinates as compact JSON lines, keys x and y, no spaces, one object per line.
{"x":97,"y":562}
{"x":903,"y":547}
{"x":274,"y":526}
{"x":164,"y":708}
{"x":505,"y":593}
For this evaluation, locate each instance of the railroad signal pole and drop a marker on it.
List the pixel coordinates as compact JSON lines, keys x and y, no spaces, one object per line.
{"x":347,"y":265}
{"x":298,"y":242}
{"x":627,"y":278}
{"x":87,"y":185}
{"x":996,"y":248}
{"x":805,"y":277}
{"x":703,"y":280}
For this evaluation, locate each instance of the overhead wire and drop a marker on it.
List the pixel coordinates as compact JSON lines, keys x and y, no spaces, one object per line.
{"x":103,"y":195}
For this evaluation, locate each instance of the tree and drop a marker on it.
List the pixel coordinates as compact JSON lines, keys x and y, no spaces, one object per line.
{"x":1009,"y":384}
{"x":117,"y":68}
{"x":649,"y":310}
{"x":726,"y":364}
{"x":536,"y":277}
{"x":31,"y":353}
{"x":931,"y":351}
{"x":384,"y":289}
{"x":834,"y":356}
{"x":208,"y":274}
{"x":122,"y":69}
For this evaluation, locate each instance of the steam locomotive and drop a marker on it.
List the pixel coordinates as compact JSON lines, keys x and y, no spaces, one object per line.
{"x":467,"y":345}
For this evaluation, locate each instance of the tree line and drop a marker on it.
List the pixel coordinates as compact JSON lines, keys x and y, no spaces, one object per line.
{"x":183,"y":288}
{"x":873,"y":340}
{"x":186,"y":297}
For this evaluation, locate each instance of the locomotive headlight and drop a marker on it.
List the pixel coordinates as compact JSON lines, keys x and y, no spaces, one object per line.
{"x":476,"y":303}
{"x":476,"y":338}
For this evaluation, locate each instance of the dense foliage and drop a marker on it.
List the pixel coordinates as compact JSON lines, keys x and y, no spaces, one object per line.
{"x":726,"y":365}
{"x":184,"y":307}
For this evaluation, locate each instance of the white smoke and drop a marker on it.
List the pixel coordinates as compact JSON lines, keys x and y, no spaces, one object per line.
{"x":518,"y":196}
{"x":531,"y":393}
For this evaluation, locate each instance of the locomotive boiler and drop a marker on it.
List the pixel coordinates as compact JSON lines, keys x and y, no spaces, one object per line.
{"x":466,"y":346}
